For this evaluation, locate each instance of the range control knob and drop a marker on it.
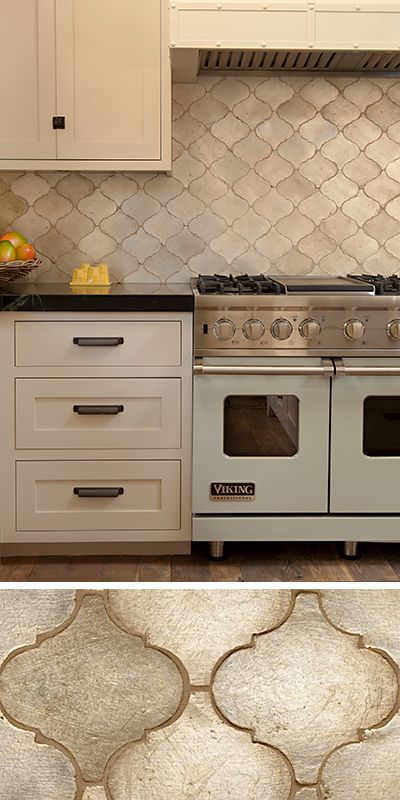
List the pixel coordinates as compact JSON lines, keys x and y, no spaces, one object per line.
{"x":353,"y":329}
{"x":393,"y":329}
{"x":253,"y":329}
{"x":224,"y":329}
{"x":281,"y":329}
{"x":309,"y":329}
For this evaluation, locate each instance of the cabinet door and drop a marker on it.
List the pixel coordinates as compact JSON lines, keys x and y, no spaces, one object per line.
{"x":107,"y":413}
{"x":98,"y":495}
{"x":27,"y":69}
{"x":109,"y":79}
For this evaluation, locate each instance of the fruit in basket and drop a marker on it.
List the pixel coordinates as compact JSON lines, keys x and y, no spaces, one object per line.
{"x":14,"y":237}
{"x":26,"y":252}
{"x":7,"y":252}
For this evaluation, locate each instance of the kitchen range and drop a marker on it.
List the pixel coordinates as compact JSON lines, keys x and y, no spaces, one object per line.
{"x":296,"y":409}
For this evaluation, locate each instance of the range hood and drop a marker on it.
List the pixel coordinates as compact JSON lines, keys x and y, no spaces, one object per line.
{"x":312,"y":35}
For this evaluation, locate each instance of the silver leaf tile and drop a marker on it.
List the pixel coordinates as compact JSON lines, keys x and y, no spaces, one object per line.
{"x":229,"y":245}
{"x":91,"y":687}
{"x":285,"y":710}
{"x":257,"y":139}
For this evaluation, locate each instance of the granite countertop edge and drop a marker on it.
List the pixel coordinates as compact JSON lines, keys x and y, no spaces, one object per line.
{"x":116,"y":298}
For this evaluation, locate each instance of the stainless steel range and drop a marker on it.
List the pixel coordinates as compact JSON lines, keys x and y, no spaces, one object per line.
{"x":296,"y":409}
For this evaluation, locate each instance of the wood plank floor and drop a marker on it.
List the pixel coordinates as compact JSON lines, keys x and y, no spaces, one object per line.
{"x":299,"y":561}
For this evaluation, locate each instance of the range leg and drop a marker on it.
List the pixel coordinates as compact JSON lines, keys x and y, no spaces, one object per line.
{"x":216,"y":550}
{"x":350,"y":550}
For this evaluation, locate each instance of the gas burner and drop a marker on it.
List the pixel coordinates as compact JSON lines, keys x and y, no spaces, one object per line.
{"x":382,"y":284}
{"x":250,"y":315}
{"x":242,"y":284}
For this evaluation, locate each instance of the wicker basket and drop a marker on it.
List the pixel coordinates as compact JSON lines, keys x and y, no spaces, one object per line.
{"x":13,"y":270}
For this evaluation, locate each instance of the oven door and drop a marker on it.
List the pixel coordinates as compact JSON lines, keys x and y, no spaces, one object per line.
{"x":261,"y":435}
{"x":365,"y":450}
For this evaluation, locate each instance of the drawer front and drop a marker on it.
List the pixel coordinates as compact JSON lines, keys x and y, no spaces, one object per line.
{"x":54,"y":413}
{"x":53,"y":495}
{"x":98,"y":344}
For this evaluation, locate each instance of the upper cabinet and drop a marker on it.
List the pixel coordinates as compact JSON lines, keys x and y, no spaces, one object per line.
{"x":90,"y":88}
{"x":28,"y":90}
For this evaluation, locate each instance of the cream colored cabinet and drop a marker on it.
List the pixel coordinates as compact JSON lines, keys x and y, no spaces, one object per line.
{"x":97,"y":495}
{"x":95,"y":432}
{"x":89,"y":89}
{"x":130,"y":414}
{"x":28,"y":90}
{"x":98,"y":344}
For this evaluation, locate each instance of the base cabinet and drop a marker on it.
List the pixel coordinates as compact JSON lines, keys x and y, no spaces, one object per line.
{"x":96,"y":439}
{"x":96,"y":496}
{"x":126,"y":414}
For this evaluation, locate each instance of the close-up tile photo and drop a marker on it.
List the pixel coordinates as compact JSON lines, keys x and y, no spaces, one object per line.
{"x":200,"y":400}
{"x":215,"y":694}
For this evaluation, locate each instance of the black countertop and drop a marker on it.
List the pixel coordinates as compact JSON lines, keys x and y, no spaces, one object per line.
{"x":118,"y":297}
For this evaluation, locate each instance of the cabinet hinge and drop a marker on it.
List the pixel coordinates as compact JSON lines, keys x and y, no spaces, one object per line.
{"x":58,"y":123}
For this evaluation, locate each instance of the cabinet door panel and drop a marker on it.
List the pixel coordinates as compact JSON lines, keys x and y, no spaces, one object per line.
{"x":144,"y":343}
{"x":109,"y":79}
{"x":148,"y":500}
{"x":27,"y":67}
{"x":136,"y":413}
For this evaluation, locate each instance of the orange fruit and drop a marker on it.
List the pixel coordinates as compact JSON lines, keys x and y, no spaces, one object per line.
{"x":26,"y":252}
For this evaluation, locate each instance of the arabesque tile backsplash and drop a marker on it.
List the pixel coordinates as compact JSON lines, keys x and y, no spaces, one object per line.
{"x":289,"y":174}
{"x":219,"y":694}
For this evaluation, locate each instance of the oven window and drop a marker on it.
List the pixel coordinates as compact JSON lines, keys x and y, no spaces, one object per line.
{"x":261,"y":425}
{"x":381,"y":426}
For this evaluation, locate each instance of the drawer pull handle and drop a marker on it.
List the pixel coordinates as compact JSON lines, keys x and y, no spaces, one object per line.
{"x":82,"y":410}
{"x":106,"y":491}
{"x":98,"y":341}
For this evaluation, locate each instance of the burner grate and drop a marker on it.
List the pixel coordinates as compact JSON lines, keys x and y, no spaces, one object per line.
{"x":242,"y":284}
{"x":381,"y":283}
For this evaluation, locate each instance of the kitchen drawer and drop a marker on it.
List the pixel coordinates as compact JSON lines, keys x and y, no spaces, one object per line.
{"x":139,"y":343}
{"x":47,"y":497}
{"x":55,"y":413}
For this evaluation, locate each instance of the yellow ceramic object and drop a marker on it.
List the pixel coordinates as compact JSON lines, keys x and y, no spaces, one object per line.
{"x":87,"y":290}
{"x":88,"y":275}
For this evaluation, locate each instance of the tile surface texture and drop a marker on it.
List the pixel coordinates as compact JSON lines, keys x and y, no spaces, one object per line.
{"x":285,"y":174}
{"x":220,"y":618}
{"x":208,"y":694}
{"x":92,"y":688}
{"x":199,"y":757}
{"x":278,"y":687}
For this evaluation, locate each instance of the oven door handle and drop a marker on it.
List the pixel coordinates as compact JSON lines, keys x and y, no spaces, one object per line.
{"x":325,"y":369}
{"x":366,"y":372}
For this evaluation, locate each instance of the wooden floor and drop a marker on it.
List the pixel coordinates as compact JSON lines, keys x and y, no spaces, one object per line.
{"x":245,"y":562}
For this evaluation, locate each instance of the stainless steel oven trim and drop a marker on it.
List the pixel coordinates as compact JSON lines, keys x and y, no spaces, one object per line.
{"x":326,"y":369}
{"x":343,"y":370}
{"x":332,"y":311}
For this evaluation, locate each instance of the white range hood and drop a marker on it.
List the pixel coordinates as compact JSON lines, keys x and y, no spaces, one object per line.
{"x":316,"y":35}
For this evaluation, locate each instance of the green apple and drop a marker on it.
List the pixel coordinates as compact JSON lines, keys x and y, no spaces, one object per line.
{"x":14,"y":237}
{"x":7,"y":252}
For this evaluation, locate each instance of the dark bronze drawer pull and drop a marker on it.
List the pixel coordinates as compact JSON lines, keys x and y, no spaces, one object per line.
{"x":106,"y":491}
{"x":98,"y":341}
{"x":98,"y":409}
